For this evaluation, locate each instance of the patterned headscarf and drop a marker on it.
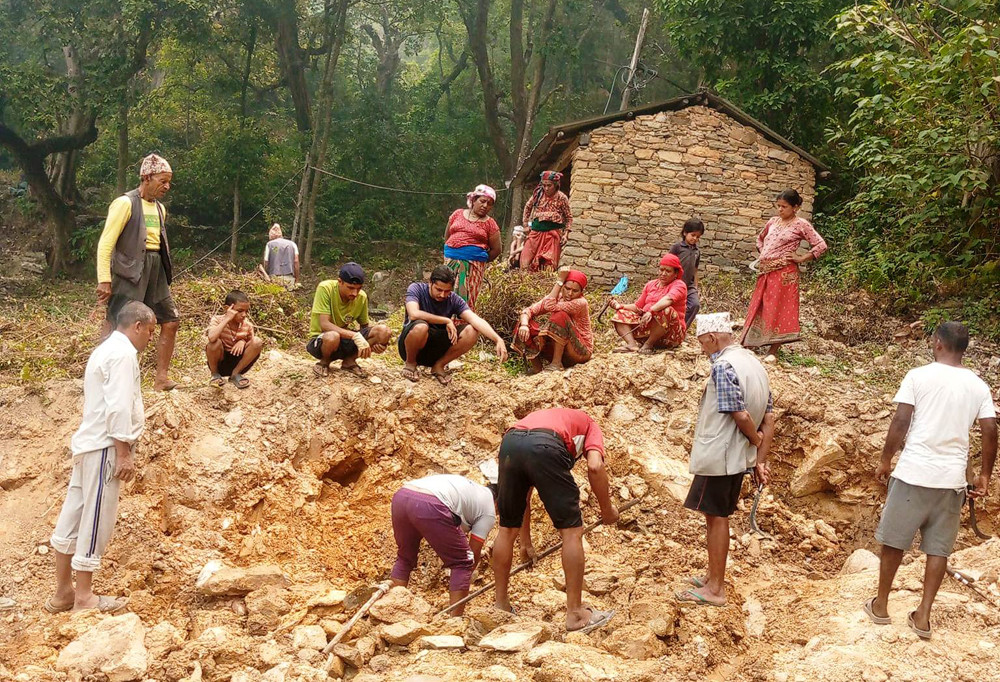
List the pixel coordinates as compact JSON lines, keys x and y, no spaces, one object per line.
{"x":480,"y":191}
{"x":153,"y":164}
{"x":554,"y":176}
{"x":274,"y":232}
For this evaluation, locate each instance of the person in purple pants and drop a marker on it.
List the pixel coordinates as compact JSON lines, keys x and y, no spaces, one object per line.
{"x":442,"y":509}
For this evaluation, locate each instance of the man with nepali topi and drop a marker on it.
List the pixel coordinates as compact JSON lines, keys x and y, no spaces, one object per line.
{"x":733,"y":435}
{"x":936,"y":406}
{"x":539,"y":452}
{"x":338,"y":305}
{"x":657,"y":317}
{"x":549,"y":218}
{"x":557,"y":328}
{"x":471,"y":240}
{"x":430,"y":337}
{"x":281,"y":259}
{"x":133,"y":260}
{"x":773,"y":316}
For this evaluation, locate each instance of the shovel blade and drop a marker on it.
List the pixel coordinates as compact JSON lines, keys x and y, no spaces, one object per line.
{"x":358,"y":596}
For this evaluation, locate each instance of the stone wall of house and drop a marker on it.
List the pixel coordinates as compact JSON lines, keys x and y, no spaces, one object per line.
{"x":636,"y":182}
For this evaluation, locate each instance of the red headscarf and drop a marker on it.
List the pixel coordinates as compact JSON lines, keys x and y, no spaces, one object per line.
{"x":669,"y":260}
{"x":578,"y":277}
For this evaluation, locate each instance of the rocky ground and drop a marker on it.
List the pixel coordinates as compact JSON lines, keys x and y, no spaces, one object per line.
{"x":257,"y":514}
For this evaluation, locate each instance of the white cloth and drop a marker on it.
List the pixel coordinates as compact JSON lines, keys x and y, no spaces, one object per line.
{"x":946,"y":401}
{"x":153,"y":164}
{"x":112,"y":397}
{"x":87,"y":520}
{"x":720,"y":323}
{"x":471,"y":502}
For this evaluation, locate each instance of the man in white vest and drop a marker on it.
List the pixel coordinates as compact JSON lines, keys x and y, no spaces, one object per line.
{"x":733,"y":435}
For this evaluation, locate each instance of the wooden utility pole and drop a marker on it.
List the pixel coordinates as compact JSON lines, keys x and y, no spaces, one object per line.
{"x":627,"y":95}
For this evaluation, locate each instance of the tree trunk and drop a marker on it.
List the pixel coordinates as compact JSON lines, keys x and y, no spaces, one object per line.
{"x":236,"y":219}
{"x":244,"y":85}
{"x":122,"y":184}
{"x":286,"y":42}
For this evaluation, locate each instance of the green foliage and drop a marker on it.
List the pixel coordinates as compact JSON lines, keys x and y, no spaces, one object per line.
{"x":922,"y":143}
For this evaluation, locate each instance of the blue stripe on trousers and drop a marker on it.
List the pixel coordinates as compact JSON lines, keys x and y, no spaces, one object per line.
{"x":97,"y":512}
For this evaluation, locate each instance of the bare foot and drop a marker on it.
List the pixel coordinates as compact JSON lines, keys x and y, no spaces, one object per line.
{"x":164,"y":385}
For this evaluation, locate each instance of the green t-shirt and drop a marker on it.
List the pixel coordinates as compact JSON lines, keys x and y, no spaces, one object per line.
{"x":342,"y":313}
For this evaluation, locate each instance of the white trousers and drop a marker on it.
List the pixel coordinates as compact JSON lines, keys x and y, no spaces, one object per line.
{"x":88,"y":515}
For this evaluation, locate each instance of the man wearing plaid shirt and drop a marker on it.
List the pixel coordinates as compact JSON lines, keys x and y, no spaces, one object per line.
{"x":735,"y":426}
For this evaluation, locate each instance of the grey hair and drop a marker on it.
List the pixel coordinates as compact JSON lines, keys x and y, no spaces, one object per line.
{"x":135,"y":311}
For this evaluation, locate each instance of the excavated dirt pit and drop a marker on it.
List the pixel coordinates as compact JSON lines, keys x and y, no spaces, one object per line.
{"x":297,"y":473}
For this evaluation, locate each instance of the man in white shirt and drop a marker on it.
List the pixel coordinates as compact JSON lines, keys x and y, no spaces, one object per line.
{"x":113,"y":420}
{"x":937,"y":405}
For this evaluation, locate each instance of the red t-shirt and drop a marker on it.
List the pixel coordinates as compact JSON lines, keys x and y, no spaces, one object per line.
{"x":462,"y":232}
{"x":579,"y":432}
{"x":655,"y":290}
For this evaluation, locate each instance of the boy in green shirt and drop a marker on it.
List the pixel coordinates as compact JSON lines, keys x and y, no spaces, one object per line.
{"x":338,"y":304}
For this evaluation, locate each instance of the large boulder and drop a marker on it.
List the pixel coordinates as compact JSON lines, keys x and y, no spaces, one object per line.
{"x":216,"y":580}
{"x":400,"y":604}
{"x":513,"y":637}
{"x":813,"y":474}
{"x":637,"y":642}
{"x":859,"y":561}
{"x":404,"y":632}
{"x":114,"y":647}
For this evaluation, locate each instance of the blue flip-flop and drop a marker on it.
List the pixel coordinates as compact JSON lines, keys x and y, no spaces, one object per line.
{"x":692,"y":597}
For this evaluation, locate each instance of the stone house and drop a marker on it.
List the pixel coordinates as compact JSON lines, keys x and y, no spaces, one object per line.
{"x":633,"y":177}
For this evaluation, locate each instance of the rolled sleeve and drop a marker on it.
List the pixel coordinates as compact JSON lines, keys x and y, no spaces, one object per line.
{"x":727,"y":388}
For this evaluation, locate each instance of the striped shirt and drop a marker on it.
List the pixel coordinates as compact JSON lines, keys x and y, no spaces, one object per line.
{"x":230,"y":335}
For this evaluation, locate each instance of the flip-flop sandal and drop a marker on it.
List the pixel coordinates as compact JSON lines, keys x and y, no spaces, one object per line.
{"x":692,"y":597}
{"x":319,"y":371}
{"x":696,"y":581}
{"x":623,"y":349}
{"x":52,"y":608}
{"x":217,"y":380}
{"x":645,"y":351}
{"x":878,"y":620}
{"x":411,"y":374}
{"x":239,"y":381}
{"x":443,"y":378}
{"x":552,"y":368}
{"x":106,"y":604}
{"x":598,"y":619}
{"x":356,"y":370}
{"x":922,"y":634}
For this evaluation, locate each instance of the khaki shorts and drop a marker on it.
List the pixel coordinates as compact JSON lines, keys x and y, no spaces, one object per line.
{"x":935,"y":512}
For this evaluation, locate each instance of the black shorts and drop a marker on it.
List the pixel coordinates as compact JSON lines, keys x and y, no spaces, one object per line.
{"x":438,"y":343}
{"x":715,"y":495}
{"x":228,"y":362}
{"x":537,"y":458}
{"x":346,"y":349}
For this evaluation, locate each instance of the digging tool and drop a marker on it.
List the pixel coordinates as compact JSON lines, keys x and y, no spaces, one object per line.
{"x":617,"y":290}
{"x":967,"y":581}
{"x":972,"y":517}
{"x":753,"y":510}
{"x":378,"y":591}
{"x":554,"y":548}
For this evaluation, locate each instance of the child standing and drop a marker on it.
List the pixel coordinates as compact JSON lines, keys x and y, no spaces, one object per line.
{"x":687,"y":251}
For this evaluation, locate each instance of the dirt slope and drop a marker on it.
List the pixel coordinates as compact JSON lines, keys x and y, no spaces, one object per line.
{"x":298,"y":472}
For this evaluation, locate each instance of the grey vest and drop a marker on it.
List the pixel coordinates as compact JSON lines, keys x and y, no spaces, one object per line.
{"x":281,"y":257}
{"x":719,"y":448}
{"x":129,"y":255}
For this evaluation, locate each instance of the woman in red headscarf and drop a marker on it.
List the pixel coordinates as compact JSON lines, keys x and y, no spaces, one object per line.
{"x":549,"y":218}
{"x":557,"y":328}
{"x":657,"y":318}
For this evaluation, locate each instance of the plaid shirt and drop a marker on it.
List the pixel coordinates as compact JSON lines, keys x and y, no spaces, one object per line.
{"x":727,"y":387}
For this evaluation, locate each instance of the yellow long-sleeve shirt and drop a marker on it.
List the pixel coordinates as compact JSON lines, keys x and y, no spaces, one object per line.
{"x":119,"y":213}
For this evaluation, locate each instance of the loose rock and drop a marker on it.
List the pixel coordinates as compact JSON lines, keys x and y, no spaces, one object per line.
{"x":235,"y":581}
{"x":441,"y":642}
{"x":400,"y":604}
{"x":115,"y":647}
{"x":403,"y":632}
{"x":637,"y":642}
{"x":309,"y":637}
{"x":860,"y":560}
{"x":513,"y":637}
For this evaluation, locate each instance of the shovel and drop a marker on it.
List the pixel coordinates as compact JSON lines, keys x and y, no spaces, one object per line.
{"x":617,"y":290}
{"x":753,"y":510}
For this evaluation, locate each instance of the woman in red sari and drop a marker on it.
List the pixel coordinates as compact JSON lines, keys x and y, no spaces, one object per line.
{"x":549,"y":218}
{"x":557,"y":328}
{"x":657,"y":317}
{"x":773,"y":316}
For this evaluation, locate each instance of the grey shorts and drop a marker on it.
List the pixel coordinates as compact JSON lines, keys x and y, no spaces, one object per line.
{"x":152,"y":289}
{"x":935,"y":512}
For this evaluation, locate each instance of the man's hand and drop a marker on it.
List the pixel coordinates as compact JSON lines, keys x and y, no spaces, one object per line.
{"x":980,"y":487}
{"x":124,"y":467}
{"x":882,"y":471}
{"x":501,"y":350}
{"x":103,"y":292}
{"x":378,"y":347}
{"x":762,"y":471}
{"x":239,"y":347}
{"x":452,"y":331}
{"x":231,"y":312}
{"x":609,"y":516}
{"x":529,"y":554}
{"x":364,"y":348}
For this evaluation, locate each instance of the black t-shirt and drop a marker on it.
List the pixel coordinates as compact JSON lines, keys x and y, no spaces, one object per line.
{"x":690,"y":258}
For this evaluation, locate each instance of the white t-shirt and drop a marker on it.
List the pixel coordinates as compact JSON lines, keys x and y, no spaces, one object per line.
{"x":471,"y":502}
{"x":946,"y":401}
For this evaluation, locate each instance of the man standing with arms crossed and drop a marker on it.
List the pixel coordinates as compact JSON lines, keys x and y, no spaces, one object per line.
{"x":113,"y":420}
{"x":133,"y":259}
{"x":936,"y":406}
{"x":734,"y":431}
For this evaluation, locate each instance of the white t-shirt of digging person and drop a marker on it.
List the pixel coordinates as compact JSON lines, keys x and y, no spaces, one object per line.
{"x":946,"y":401}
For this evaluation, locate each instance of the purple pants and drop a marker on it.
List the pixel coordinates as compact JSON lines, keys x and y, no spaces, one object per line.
{"x":417,"y":516}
